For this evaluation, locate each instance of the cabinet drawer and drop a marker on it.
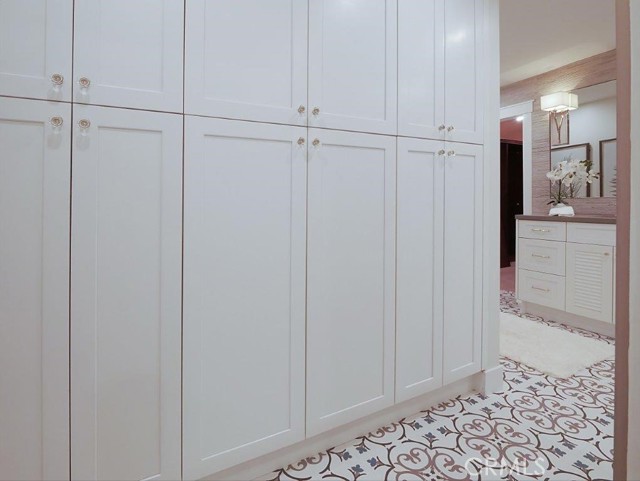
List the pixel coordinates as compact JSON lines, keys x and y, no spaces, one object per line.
{"x":556,"y":231}
{"x":541,"y":256}
{"x":544,"y":289}
{"x":598,"y":234}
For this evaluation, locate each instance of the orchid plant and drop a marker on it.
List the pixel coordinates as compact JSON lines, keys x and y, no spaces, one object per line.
{"x":568,"y":177}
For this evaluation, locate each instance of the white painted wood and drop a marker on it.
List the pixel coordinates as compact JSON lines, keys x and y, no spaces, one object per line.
{"x":353,"y":65}
{"x":126,"y":295}
{"x":247,"y":60}
{"x":463,"y":248}
{"x":131,"y":52}
{"x":419,"y":267}
{"x":539,"y":288}
{"x":542,"y":256}
{"x":464,"y":70}
{"x":590,"y":281}
{"x":350,"y":277}
{"x":35,"y":43}
{"x":534,"y":229}
{"x":34,"y":290}
{"x":244,"y":292}
{"x":421,"y":86}
{"x":598,"y":234}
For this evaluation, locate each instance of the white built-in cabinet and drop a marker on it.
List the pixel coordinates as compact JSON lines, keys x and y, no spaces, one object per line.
{"x":244,"y":291}
{"x":350,"y":277}
{"x":440,"y":70}
{"x":34,"y":289}
{"x":126,"y":246}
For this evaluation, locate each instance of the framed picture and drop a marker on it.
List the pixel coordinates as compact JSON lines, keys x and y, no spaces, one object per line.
{"x":559,"y":128}
{"x":608,"y":167}
{"x":573,"y":152}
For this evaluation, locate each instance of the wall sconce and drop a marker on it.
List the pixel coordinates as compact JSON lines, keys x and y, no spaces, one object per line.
{"x":558,"y":105}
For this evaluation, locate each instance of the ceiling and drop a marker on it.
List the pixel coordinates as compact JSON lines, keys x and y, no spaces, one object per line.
{"x":537,"y":36}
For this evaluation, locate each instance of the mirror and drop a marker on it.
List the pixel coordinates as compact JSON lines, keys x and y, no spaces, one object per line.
{"x":589,"y":132}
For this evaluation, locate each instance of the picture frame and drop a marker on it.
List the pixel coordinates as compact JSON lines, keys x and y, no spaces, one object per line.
{"x":558,"y":136}
{"x":570,"y":152}
{"x":608,"y":167}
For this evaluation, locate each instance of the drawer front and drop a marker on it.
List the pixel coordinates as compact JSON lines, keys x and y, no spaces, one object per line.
{"x":544,"y":289}
{"x":530,"y":229}
{"x":598,"y":234}
{"x":541,"y":256}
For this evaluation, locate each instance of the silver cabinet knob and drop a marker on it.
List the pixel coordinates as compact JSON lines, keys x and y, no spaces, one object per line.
{"x":302,"y":109}
{"x":441,"y":152}
{"x":57,"y":79}
{"x":450,"y":128}
{"x":316,"y":142}
{"x":606,"y":254}
{"x":84,"y":124}
{"x":442,"y":127}
{"x":84,"y":82}
{"x":56,"y":121}
{"x":301,"y":141}
{"x":451,"y":153}
{"x":316,"y":111}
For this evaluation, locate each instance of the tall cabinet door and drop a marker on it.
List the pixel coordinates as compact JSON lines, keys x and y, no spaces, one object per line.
{"x":129,"y":53}
{"x":463,"y":201}
{"x":125,"y":295}
{"x":463,"y":70}
{"x":247,"y":60}
{"x":353,"y":65}
{"x":420,"y":68}
{"x":34,"y":289}
{"x":244,"y":291}
{"x":35,"y":48}
{"x":351,"y":278}
{"x":419,"y":268}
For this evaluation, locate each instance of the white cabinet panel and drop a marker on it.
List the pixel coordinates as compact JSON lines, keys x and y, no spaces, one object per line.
{"x":353,"y":65}
{"x":533,"y":229}
{"x":34,"y":290}
{"x":419,"y":269}
{"x":541,"y":256}
{"x":35,"y":48}
{"x":126,"y":295}
{"x":541,"y":288}
{"x":244,"y":291}
{"x":350,"y":296}
{"x":463,"y":70}
{"x":590,"y":281}
{"x":463,"y":247}
{"x":130,"y":52}
{"x":421,"y":68}
{"x":247,"y":60}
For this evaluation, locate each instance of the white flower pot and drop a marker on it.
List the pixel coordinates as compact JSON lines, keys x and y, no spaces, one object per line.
{"x":562,"y":210}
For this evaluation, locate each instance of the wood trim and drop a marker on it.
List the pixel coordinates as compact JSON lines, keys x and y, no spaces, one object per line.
{"x":623,"y":65}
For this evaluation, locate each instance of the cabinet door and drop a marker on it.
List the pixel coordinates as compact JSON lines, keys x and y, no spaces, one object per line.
{"x":125,"y":301}
{"x":590,"y":281}
{"x":463,"y":67}
{"x":247,"y":60}
{"x":350,"y":295}
{"x":35,"y":48}
{"x":353,"y":65}
{"x":244,"y":288}
{"x":129,"y":53}
{"x":421,"y":68}
{"x":419,"y":267}
{"x":34,"y":290}
{"x":463,"y":195}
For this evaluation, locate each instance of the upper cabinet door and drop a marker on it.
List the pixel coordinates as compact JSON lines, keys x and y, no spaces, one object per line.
{"x":129,"y":53}
{"x":351,"y":277}
{"x":34,"y":288}
{"x":421,"y":68}
{"x":464,"y":71}
{"x":35,"y":48}
{"x":463,"y":194}
{"x":126,"y":305}
{"x":244,"y":291}
{"x":353,"y":65}
{"x":247,"y":60}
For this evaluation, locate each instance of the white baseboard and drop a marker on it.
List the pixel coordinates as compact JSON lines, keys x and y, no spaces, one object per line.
{"x":573,"y":320}
{"x":493,"y":380}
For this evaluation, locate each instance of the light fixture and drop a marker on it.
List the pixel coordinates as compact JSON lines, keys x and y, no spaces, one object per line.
{"x":558,"y":105}
{"x":520,"y":118}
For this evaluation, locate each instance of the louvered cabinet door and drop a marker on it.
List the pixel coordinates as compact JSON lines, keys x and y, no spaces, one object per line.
{"x":590,"y":281}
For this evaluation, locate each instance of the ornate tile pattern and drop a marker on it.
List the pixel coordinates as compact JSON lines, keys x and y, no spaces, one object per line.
{"x":540,"y":427}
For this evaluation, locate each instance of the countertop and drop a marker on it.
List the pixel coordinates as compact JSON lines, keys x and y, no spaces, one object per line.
{"x":587,"y":219}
